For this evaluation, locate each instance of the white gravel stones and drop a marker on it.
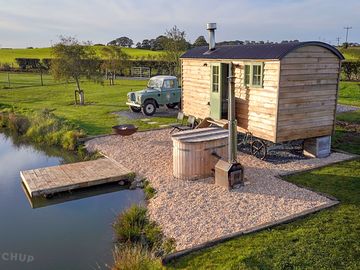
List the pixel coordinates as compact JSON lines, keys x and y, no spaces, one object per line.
{"x":193,"y":212}
{"x":346,"y":108}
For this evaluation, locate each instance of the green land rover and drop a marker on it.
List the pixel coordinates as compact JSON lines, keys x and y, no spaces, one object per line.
{"x":160,"y":91}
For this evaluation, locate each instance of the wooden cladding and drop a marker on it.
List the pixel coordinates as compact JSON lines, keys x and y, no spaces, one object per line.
{"x":196,"y":83}
{"x":307,"y":93}
{"x":297,"y":99}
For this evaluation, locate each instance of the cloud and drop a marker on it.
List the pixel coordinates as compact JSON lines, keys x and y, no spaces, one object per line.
{"x":101,"y":21}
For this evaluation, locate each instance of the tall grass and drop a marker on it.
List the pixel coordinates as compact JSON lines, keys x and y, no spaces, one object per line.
{"x":41,"y":127}
{"x":135,"y":257}
{"x":139,"y":241}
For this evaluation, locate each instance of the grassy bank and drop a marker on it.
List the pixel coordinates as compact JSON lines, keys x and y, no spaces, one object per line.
{"x":96,"y":117}
{"x":9,"y":55}
{"x":139,"y":241}
{"x":40,"y":127}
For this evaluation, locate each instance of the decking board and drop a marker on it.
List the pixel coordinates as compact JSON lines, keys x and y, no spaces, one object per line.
{"x":49,"y":180}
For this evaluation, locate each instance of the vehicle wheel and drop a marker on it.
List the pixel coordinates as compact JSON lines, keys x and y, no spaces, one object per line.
{"x":171,"y":105}
{"x":259,"y":149}
{"x":135,"y":109}
{"x":149,"y":108}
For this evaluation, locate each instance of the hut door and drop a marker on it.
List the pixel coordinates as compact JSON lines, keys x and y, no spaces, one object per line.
{"x":218,"y":91}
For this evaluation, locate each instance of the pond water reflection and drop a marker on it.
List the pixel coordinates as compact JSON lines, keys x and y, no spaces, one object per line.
{"x":69,"y":231}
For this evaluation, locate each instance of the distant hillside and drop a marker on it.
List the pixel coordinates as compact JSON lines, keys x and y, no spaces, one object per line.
{"x":9,"y":55}
{"x":351,"y":53}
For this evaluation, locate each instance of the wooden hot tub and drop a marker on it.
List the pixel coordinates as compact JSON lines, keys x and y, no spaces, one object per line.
{"x":192,"y":152}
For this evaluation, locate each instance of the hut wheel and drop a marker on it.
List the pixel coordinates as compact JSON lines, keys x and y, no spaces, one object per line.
{"x":259,"y":149}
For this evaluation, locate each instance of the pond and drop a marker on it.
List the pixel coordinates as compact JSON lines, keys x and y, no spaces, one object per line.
{"x":70,"y":231}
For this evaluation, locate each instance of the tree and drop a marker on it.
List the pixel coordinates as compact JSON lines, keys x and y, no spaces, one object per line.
{"x":200,"y":41}
{"x":122,"y":42}
{"x":112,"y":43}
{"x":73,"y":60}
{"x":158,"y":43}
{"x":114,"y":60}
{"x":174,"y":45}
{"x":146,"y":44}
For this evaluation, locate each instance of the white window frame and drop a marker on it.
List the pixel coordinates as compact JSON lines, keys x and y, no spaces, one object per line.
{"x":251,"y":77}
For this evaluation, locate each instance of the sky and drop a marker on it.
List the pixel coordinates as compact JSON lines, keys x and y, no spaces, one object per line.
{"x":39,"y":23}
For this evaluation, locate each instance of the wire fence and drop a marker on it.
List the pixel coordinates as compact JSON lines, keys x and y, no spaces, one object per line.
{"x":18,"y":80}
{"x":14,"y":80}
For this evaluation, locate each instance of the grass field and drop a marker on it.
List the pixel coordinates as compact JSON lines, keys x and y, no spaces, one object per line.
{"x":9,"y":55}
{"x":351,"y":53}
{"x":94,"y":118}
{"x":349,"y":93}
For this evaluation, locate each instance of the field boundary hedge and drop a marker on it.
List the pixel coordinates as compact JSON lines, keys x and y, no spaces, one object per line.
{"x":37,"y":64}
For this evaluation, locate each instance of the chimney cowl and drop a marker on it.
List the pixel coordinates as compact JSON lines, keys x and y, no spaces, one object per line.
{"x":211,"y":27}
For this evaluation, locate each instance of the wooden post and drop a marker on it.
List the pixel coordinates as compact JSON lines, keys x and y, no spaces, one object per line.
{"x":75,"y":96}
{"x":41,"y":77}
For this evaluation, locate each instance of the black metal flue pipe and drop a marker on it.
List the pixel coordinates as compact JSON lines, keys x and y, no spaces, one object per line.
{"x":231,"y":117}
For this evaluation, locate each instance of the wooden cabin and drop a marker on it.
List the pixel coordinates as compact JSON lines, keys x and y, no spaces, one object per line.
{"x":283,"y":91}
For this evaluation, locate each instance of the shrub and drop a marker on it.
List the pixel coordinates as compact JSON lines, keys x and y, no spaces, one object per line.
{"x":26,"y":63}
{"x":130,"y":225}
{"x":351,"y":70}
{"x":18,"y":123}
{"x":129,"y":257}
{"x":4,"y":120}
{"x":69,"y":139}
{"x":5,"y":67}
{"x":46,"y":63}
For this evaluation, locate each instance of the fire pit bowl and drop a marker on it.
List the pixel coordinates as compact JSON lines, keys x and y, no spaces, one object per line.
{"x":124,"y":130}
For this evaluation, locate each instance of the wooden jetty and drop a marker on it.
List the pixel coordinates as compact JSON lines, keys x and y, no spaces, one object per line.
{"x":50,"y":180}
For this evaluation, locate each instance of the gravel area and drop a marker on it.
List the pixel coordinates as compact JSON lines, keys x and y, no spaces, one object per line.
{"x":346,"y":108}
{"x":194,"y":212}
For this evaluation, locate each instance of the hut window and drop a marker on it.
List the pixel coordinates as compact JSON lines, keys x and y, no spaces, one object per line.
{"x":247,"y":74}
{"x":256,"y":78}
{"x":215,"y":79}
{"x":253,"y":75}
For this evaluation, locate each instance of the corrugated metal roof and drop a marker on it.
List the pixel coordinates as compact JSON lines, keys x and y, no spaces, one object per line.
{"x":255,"y":51}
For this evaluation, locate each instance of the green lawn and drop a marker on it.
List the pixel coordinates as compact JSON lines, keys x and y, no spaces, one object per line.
{"x":95,"y":118}
{"x":349,"y":93}
{"x":347,"y":132}
{"x":9,"y":55}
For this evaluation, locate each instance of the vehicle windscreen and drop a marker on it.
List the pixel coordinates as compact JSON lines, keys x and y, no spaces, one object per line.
{"x":155,"y":83}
